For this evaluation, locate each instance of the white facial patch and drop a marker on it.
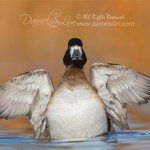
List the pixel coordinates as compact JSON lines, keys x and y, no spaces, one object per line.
{"x":76,"y":47}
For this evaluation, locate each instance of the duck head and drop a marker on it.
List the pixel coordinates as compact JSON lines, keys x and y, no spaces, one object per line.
{"x":75,"y":55}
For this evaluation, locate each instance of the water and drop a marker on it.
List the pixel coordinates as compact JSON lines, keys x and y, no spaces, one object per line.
{"x":124,"y":140}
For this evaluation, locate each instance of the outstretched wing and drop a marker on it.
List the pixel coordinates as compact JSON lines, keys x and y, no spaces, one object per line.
{"x":27,"y":94}
{"x":119,"y":85}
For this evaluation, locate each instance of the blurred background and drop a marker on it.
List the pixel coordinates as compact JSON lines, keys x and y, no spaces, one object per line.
{"x":28,"y":42}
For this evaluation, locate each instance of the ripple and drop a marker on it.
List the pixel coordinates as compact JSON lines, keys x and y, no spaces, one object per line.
{"x":121,"y":139}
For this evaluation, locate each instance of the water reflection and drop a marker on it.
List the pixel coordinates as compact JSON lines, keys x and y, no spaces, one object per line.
{"x":133,"y":140}
{"x":124,"y":140}
{"x":7,"y":142}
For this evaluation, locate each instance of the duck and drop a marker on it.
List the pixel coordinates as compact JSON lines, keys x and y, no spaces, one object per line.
{"x":77,"y":109}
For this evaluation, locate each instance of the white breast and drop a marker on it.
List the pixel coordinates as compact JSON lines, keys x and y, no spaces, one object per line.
{"x":76,"y":113}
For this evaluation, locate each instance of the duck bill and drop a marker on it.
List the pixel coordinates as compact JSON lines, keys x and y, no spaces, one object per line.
{"x":76,"y":55}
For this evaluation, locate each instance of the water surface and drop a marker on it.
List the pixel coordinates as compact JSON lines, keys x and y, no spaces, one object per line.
{"x":125,"y":140}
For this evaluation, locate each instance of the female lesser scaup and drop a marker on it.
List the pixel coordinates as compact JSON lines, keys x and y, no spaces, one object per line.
{"x":76,"y":109}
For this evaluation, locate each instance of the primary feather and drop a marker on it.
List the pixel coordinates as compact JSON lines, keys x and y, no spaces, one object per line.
{"x":119,"y":85}
{"x":27,"y":94}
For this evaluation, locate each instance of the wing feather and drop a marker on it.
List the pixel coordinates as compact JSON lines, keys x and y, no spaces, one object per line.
{"x":19,"y":94}
{"x":119,"y":85}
